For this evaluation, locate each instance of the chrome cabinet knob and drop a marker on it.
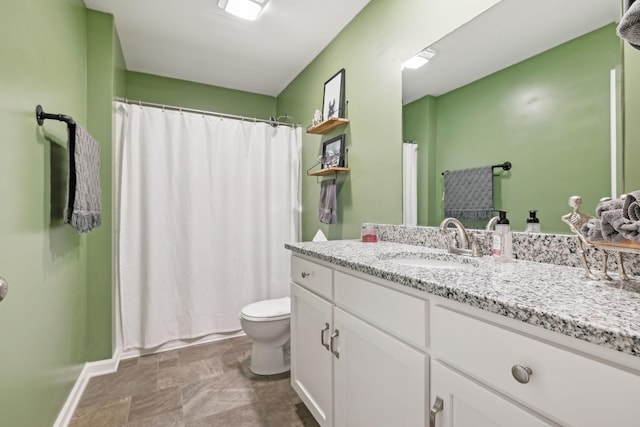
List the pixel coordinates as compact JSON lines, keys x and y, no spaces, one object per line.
{"x":304,"y":274}
{"x":334,"y":335}
{"x":438,"y":406}
{"x":522,"y":374}
{"x":325,"y":329}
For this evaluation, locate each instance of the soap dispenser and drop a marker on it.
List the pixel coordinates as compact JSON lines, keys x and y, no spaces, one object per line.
{"x":533,"y":223}
{"x":502,"y":242}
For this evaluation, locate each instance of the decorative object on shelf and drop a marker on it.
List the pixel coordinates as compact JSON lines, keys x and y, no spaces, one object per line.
{"x":615,"y":231}
{"x":333,"y":152}
{"x":333,"y":99}
{"x":317,"y":118}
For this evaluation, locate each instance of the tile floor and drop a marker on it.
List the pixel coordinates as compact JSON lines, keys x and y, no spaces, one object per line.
{"x":203,"y":385}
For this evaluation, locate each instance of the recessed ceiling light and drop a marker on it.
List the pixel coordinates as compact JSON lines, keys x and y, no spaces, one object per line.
{"x":245,"y":9}
{"x":419,"y":59}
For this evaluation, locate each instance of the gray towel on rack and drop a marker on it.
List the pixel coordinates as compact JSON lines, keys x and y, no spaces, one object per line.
{"x":631,"y":209}
{"x":83,"y":208}
{"x":611,"y":222}
{"x":328,"y":204}
{"x":629,"y":26}
{"x":592,"y":230}
{"x":468,"y":193}
{"x":608,"y":205}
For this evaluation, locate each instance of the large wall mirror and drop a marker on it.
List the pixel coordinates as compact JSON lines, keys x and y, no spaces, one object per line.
{"x":535,"y":83}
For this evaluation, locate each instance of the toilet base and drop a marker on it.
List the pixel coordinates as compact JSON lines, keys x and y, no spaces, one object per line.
{"x":268,"y":360}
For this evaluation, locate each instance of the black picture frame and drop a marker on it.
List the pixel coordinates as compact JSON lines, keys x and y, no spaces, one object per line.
{"x":333,"y":97}
{"x":333,"y":152}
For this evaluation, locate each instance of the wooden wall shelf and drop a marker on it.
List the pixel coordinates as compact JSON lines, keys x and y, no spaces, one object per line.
{"x":329,"y":124}
{"x":329,"y":171}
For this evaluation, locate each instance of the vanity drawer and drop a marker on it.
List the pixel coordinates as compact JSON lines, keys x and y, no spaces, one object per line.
{"x":566,"y":386}
{"x":401,"y":315}
{"x":315,"y":277}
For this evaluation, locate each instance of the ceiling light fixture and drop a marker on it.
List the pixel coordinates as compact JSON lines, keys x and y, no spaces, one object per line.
{"x":245,"y":9}
{"x":419,"y":59}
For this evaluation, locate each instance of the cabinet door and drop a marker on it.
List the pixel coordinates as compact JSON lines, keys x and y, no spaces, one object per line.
{"x":311,"y":362}
{"x":379,"y":381}
{"x":465,"y":403}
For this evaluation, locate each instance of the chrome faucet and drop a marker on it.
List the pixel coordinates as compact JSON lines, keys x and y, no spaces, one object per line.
{"x":491,"y":225}
{"x":463,"y":246}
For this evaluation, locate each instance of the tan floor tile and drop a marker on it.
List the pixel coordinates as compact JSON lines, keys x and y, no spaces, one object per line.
{"x":153,"y":404}
{"x":126,"y":382}
{"x":242,"y":416}
{"x":212,"y":396}
{"x":110,"y":414}
{"x":204,"y":351}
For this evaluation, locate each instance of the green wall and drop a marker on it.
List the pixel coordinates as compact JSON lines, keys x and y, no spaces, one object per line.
{"x":105,"y":71}
{"x":44,"y":318}
{"x":57,"y":314}
{"x":370,"y":49}
{"x":548,"y":115}
{"x":181,"y":93}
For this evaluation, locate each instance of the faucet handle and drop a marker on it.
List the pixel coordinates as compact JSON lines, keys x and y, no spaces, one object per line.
{"x":475,"y":248}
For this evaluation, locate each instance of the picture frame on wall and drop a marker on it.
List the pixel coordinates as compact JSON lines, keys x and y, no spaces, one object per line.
{"x":333,"y":98}
{"x":333,"y":152}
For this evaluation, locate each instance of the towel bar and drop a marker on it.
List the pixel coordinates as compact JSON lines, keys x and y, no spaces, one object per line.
{"x":505,"y":166}
{"x":41,"y":116}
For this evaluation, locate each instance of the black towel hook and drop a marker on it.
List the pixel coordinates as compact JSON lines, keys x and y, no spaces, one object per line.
{"x":41,"y":116}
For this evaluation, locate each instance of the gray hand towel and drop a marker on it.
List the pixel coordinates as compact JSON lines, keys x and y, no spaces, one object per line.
{"x":608,"y":205}
{"x":631,"y":209}
{"x":328,"y":204}
{"x":468,"y":193}
{"x":592,"y":230}
{"x":630,"y":230}
{"x":629,"y":26}
{"x":83,"y":208}
{"x":611,"y":222}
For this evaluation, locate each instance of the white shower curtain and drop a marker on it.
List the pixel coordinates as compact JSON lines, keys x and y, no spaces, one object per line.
{"x":205,"y":207}
{"x":409,"y":183}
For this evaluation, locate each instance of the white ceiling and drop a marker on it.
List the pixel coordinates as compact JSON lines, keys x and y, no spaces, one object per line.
{"x":509,"y":32}
{"x":195,"y":40}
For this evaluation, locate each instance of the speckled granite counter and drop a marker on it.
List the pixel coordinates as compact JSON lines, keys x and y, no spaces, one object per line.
{"x":554,"y":297}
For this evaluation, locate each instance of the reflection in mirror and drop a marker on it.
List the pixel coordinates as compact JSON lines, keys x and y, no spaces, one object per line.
{"x":533,"y":83}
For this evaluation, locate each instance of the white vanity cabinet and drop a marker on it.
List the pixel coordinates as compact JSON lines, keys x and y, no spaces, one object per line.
{"x":488,"y":371}
{"x":349,"y":371}
{"x":458,"y":401}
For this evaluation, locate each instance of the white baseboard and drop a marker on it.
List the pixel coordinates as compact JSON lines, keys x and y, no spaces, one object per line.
{"x":89,"y":370}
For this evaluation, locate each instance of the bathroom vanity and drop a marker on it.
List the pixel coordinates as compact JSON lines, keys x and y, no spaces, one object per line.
{"x":390,"y":334}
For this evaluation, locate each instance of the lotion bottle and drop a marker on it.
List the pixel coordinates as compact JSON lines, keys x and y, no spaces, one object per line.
{"x":502,"y":241}
{"x":533,"y":223}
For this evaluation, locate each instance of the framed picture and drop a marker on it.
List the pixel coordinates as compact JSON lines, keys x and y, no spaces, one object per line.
{"x":333,"y":100}
{"x":333,"y":152}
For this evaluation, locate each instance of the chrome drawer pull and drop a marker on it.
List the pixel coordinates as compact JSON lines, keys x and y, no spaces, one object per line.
{"x":522,"y":374}
{"x":304,"y":274}
{"x":325,"y":329}
{"x":438,"y":406}
{"x":333,"y":337}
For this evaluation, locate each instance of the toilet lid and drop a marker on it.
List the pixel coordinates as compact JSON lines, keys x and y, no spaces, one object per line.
{"x":268,"y":309}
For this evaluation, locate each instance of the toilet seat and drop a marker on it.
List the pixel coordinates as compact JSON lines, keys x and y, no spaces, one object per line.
{"x":267,"y":310}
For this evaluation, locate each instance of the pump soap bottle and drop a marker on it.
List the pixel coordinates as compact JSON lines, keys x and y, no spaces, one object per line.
{"x":533,"y":223}
{"x":502,"y":242}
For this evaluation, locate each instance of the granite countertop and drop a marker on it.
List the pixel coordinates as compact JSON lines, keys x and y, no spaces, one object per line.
{"x":557,"y":298}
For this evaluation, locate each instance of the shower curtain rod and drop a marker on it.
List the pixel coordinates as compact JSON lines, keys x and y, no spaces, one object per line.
{"x":208,"y":113}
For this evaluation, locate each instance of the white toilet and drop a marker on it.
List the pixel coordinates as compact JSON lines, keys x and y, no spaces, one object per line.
{"x":267,"y":324}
